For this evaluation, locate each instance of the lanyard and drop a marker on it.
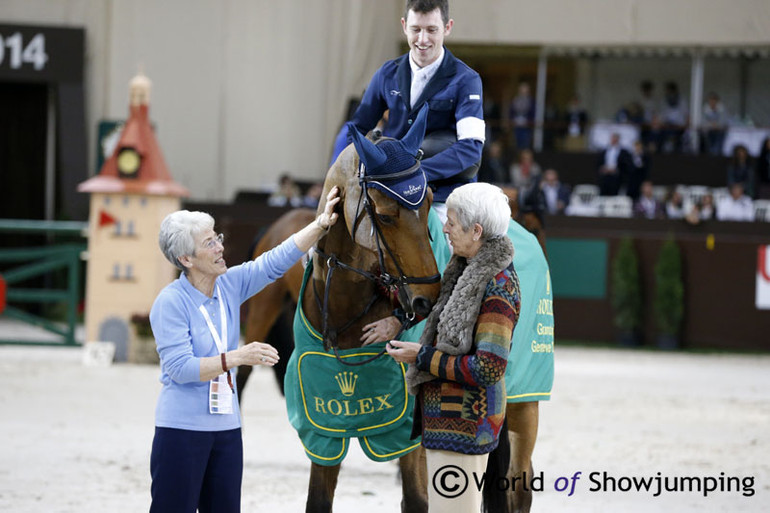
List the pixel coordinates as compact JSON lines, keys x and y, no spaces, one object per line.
{"x":220,"y":341}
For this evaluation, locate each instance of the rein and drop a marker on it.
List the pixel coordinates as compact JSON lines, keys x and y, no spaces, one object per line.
{"x":399,"y":283}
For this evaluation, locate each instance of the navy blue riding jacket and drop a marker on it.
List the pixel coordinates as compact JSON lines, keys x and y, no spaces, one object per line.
{"x":453,"y":94}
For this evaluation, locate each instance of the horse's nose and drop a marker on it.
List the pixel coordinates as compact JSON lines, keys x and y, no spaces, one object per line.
{"x":421,"y":306}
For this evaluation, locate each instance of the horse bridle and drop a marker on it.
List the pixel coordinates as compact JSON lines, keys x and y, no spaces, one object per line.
{"x":383,"y":279}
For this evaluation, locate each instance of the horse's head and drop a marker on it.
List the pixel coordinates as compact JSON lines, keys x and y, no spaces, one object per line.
{"x":385,"y":206}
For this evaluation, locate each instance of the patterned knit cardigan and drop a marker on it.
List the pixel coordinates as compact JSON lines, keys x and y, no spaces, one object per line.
{"x":463,"y":410}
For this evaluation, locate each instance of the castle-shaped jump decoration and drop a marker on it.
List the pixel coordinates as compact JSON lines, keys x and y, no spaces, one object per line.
{"x":130,"y":196}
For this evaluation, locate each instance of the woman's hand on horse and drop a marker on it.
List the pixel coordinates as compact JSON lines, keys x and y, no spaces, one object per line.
{"x":328,"y":217}
{"x":404,"y":352}
{"x":258,"y":353}
{"x":309,"y":235}
{"x":380,"y":331}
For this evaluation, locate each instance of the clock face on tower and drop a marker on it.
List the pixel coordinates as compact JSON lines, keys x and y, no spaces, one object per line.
{"x":129,"y":161}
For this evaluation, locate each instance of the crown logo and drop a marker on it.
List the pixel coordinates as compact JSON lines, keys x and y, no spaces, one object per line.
{"x":347,"y":382}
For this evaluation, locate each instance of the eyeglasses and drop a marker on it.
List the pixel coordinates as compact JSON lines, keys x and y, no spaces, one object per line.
{"x":212,"y":243}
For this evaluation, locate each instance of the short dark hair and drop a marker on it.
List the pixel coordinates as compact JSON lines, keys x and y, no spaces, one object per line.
{"x":426,"y":6}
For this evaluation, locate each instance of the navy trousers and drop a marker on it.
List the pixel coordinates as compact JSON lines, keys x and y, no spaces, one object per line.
{"x":196,"y":470}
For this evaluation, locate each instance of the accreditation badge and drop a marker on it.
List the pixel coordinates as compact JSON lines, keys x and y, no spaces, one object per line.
{"x":220,"y":396}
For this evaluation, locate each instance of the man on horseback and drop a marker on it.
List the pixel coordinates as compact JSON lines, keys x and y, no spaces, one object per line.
{"x":430,"y":74}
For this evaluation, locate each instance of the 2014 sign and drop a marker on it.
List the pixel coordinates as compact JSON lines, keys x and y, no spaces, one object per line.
{"x":13,"y":48}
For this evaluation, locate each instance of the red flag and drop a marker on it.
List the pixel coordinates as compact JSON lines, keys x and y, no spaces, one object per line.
{"x":105,"y":219}
{"x":2,"y":293}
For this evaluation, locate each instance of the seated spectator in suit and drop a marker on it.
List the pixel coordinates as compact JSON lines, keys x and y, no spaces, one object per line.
{"x":556,"y":193}
{"x":613,"y":167}
{"x":741,"y":170}
{"x":714,"y":124}
{"x":526,"y":171}
{"x":674,"y":204}
{"x":648,"y":206}
{"x":737,"y":206}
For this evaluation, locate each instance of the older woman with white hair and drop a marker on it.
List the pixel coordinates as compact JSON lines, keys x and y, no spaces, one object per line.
{"x":457,"y":369}
{"x":197,"y":452}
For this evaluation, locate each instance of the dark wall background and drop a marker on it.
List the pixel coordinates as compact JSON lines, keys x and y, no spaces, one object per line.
{"x":720,"y":310}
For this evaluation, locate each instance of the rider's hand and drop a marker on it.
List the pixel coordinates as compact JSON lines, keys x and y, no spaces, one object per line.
{"x":380,"y":331}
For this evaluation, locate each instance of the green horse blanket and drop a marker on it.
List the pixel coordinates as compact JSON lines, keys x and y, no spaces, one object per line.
{"x":329,"y":403}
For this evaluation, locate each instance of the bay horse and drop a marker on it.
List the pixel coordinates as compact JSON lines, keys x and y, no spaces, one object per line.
{"x":376,"y":256}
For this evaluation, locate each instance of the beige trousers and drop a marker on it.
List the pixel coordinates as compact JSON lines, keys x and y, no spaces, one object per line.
{"x":452,"y":481}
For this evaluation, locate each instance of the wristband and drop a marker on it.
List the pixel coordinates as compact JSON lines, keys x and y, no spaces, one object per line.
{"x":224,"y":368}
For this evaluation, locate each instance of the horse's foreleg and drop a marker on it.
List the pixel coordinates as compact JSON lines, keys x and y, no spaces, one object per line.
{"x":320,"y":493}
{"x":522,"y":431}
{"x":414,"y":481}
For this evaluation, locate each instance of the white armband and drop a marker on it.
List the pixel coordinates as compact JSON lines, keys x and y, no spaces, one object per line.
{"x":471,"y":128}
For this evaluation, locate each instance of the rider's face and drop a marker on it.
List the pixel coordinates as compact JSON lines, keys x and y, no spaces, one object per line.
{"x":425,"y":34}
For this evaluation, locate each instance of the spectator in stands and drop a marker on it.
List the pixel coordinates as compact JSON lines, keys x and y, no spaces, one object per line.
{"x":741,"y":170}
{"x":526,"y":171}
{"x":647,"y":205}
{"x":703,"y":210}
{"x":674,"y":204}
{"x":288,"y":193}
{"x":575,"y":118}
{"x":736,"y":206}
{"x":714,"y":124}
{"x":638,"y":170}
{"x":613,"y":167}
{"x":556,"y":194}
{"x":521,"y":116}
{"x":650,"y":111}
{"x":675,"y":117}
{"x":648,"y":101}
{"x":313,"y":195}
{"x":630,"y":113}
{"x":763,"y":171}
{"x":493,"y":166}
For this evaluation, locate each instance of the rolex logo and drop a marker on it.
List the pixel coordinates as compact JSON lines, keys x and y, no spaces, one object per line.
{"x":347,"y":382}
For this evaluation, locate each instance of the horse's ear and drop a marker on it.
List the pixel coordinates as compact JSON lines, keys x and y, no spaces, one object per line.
{"x":372,"y":156}
{"x":413,"y":138}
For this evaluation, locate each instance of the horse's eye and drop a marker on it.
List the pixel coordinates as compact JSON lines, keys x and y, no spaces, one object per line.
{"x":386,"y":219}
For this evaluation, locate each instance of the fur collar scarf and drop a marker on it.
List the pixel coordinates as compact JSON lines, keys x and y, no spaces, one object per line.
{"x":452,"y":320}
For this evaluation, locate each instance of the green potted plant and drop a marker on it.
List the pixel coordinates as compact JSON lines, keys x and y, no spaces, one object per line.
{"x":626,"y":295}
{"x":669,"y":295}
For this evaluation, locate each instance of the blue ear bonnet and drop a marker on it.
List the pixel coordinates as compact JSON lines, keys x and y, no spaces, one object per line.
{"x":391,"y":166}
{"x":400,"y":177}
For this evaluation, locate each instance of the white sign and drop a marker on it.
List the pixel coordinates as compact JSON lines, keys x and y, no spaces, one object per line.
{"x":763,"y":278}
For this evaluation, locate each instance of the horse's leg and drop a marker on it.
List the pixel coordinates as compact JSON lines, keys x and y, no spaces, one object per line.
{"x":320,"y":493}
{"x":522,"y":431}
{"x":264,"y":309}
{"x":414,"y":481}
